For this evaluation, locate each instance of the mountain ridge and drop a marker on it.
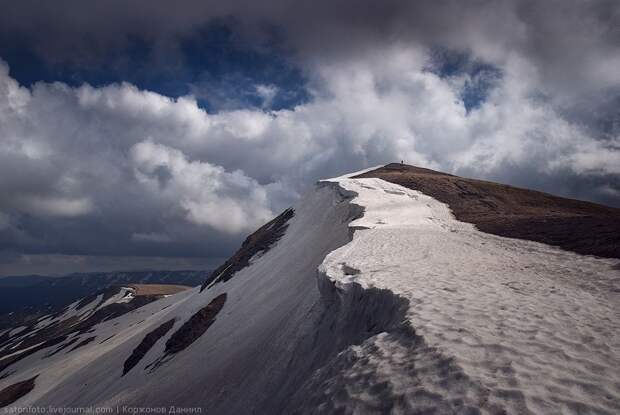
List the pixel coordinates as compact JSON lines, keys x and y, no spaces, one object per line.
{"x":580,"y":226}
{"x":371,"y":298}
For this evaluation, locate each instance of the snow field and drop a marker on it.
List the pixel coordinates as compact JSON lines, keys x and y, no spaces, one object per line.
{"x":533,"y":329}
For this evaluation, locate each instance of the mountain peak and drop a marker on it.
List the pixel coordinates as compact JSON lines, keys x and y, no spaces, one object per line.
{"x":579,"y":226}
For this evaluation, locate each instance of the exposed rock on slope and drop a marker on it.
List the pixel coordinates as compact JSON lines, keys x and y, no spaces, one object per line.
{"x":195,"y":327}
{"x":146,"y":344}
{"x":13,"y":392}
{"x":257,"y":243}
{"x":82,"y":343}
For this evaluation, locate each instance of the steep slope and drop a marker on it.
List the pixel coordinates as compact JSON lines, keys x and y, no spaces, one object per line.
{"x":365,"y":297}
{"x":254,"y":351}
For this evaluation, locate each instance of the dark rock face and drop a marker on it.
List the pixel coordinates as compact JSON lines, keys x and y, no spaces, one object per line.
{"x":106,"y":294}
{"x":146,"y":344}
{"x":12,"y":393}
{"x":82,"y":343}
{"x":574,"y":225}
{"x":195,"y":327}
{"x":62,"y":347}
{"x":8,"y":361}
{"x":260,"y":241}
{"x":113,"y":311}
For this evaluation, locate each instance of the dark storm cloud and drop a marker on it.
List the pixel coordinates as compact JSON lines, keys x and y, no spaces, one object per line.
{"x":519,"y":91}
{"x":573,"y":46}
{"x":553,"y":32}
{"x":209,"y":62}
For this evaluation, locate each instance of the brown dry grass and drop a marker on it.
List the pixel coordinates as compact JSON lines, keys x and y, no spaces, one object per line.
{"x":158,"y":289}
{"x":574,"y":225}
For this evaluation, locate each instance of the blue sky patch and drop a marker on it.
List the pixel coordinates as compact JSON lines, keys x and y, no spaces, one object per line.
{"x":212,"y":63}
{"x":481,"y":76}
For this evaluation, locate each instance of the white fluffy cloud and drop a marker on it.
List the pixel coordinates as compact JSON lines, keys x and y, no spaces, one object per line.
{"x":230,"y":202}
{"x":148,"y":169}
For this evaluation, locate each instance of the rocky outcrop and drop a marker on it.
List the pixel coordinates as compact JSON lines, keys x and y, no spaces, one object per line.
{"x":146,"y":344}
{"x":15,"y":391}
{"x":195,"y":327}
{"x":259,"y":242}
{"x":105,"y":294}
{"x":83,"y":343}
{"x":8,"y":361}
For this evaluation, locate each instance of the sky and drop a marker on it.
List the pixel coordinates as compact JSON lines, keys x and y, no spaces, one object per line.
{"x":157,"y":135}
